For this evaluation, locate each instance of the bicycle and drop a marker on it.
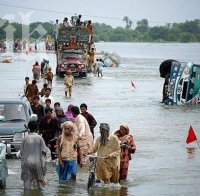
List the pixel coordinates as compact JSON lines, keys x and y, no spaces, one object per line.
{"x":92,"y":170}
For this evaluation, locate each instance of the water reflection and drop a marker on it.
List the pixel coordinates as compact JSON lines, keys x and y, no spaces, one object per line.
{"x":159,"y":165}
{"x":109,"y":190}
{"x":191,"y":152}
{"x":34,"y":192}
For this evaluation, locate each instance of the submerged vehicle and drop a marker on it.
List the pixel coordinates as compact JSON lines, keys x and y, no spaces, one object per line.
{"x":112,"y":60}
{"x":6,"y":59}
{"x":182,"y":82}
{"x":71,"y":50}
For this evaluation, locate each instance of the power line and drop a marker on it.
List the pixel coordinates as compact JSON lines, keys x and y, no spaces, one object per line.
{"x":37,"y":9}
{"x":53,"y":11}
{"x":61,"y":12}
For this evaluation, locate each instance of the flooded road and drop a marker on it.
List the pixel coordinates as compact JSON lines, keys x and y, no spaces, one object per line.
{"x":163,"y":164}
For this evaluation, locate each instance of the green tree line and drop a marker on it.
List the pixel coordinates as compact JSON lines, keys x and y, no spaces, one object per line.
{"x":188,"y":31}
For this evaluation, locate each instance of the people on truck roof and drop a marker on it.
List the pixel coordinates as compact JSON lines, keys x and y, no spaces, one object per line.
{"x":90,"y":30}
{"x":65,"y":22}
{"x":78,"y":21}
{"x":55,"y":29}
{"x":84,"y":24}
{"x":72,"y":21}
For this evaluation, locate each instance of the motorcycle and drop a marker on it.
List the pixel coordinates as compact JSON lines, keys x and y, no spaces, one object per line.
{"x":3,"y":166}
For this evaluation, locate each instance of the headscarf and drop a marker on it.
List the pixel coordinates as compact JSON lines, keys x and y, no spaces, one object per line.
{"x":126,"y":128}
{"x":105,"y":128}
{"x":59,"y":109}
{"x":68,"y":113}
{"x":118,"y":134}
{"x":69,"y":107}
{"x":71,"y":124}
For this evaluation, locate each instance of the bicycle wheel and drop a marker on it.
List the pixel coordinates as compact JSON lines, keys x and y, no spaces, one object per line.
{"x":91,"y":181}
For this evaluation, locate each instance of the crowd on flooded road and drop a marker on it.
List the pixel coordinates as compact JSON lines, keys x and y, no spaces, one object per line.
{"x":68,"y":136}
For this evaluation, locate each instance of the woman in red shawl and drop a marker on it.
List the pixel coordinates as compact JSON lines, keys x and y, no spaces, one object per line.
{"x":128,"y":147}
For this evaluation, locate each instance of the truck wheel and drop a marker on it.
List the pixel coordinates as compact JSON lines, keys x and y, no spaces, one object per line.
{"x":3,"y":183}
{"x":83,"y":74}
{"x":58,"y":73}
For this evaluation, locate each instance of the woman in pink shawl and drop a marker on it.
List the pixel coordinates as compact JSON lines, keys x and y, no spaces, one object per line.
{"x":68,"y":113}
{"x":128,"y":147}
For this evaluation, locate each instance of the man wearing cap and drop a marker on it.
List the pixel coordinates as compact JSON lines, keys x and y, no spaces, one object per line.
{"x":108,"y":148}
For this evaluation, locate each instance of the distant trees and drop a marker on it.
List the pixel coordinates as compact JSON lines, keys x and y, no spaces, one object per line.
{"x":142,"y":25}
{"x":128,"y":22}
{"x":189,"y":31}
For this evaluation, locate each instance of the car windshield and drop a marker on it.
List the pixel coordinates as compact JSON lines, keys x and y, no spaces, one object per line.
{"x":71,"y":55}
{"x":12,"y":112}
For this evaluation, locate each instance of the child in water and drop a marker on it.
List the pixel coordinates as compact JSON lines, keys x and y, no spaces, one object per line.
{"x":49,"y":77}
{"x":68,"y":152}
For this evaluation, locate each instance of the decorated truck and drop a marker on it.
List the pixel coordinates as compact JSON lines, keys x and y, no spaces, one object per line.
{"x":71,"y":51}
{"x":182,"y":82}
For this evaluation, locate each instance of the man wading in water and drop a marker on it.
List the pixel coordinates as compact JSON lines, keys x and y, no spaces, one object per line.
{"x":107,"y":146}
{"x":32,"y":153}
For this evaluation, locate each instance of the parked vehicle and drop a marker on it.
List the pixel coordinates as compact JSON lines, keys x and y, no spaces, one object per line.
{"x":71,"y":51}
{"x":14,"y":114}
{"x":182,"y":82}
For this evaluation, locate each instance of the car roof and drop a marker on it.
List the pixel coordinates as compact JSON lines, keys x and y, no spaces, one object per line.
{"x":13,"y":100}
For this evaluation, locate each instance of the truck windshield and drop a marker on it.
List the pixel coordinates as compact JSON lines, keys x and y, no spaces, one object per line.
{"x":71,"y":55}
{"x":12,"y":112}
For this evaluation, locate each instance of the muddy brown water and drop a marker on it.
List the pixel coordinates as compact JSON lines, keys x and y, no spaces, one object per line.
{"x":163,"y":164}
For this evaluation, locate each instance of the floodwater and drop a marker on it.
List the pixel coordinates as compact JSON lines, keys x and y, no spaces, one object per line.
{"x":163,"y":163}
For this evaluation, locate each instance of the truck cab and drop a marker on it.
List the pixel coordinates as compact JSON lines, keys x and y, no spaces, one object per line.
{"x":74,"y":61}
{"x":72,"y":48}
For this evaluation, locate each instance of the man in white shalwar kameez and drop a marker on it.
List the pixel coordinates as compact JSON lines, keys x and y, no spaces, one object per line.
{"x":32,"y":152}
{"x":83,"y":131}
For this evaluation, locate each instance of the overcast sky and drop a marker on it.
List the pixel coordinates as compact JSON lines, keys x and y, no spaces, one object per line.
{"x":158,"y":12}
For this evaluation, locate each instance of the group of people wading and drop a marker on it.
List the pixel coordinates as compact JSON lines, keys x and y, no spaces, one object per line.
{"x":74,"y":143}
{"x":69,"y":136}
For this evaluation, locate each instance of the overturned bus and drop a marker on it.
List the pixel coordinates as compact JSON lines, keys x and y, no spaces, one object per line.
{"x":182,"y":82}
